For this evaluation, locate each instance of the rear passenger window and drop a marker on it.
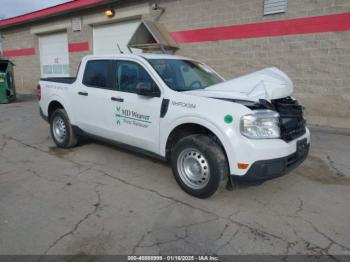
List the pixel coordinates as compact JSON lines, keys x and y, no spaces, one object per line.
{"x":96,"y":73}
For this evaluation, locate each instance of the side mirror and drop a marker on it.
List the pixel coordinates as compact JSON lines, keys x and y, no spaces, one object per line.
{"x":147,"y":89}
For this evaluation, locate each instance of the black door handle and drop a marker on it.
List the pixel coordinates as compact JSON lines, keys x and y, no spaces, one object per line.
{"x":83,"y":93}
{"x":118,"y":99}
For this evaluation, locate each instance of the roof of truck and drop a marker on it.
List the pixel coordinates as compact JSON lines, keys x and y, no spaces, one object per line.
{"x":161,"y":56}
{"x":143,"y":55}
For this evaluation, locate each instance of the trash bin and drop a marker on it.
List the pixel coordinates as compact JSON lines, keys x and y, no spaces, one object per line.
{"x":7,"y":84}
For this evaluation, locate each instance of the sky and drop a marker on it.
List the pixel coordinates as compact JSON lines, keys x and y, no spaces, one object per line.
{"x":11,"y":8}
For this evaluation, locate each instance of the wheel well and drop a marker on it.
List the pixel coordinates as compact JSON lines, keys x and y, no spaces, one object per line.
{"x":189,"y":129}
{"x":54,"y":105}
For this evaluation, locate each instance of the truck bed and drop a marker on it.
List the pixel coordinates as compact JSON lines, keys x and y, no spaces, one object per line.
{"x":64,"y":80}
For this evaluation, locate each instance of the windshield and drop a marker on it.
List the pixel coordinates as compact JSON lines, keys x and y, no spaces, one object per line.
{"x":185,"y":75}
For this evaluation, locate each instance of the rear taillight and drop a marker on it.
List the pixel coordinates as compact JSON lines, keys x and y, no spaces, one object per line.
{"x":38,"y":92}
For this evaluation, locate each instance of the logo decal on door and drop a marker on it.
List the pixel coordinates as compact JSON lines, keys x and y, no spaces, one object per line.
{"x":130,"y":117}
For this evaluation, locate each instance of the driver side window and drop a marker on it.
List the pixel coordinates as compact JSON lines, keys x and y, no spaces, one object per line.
{"x":129,"y":75}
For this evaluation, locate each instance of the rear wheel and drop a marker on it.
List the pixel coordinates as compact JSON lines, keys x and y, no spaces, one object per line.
{"x":199,"y":165}
{"x":61,"y":130}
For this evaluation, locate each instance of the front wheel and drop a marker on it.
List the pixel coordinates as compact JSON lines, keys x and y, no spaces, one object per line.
{"x":61,"y":130}
{"x":199,"y":165}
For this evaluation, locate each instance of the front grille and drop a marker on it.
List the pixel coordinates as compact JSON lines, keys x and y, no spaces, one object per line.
{"x":292,"y":122}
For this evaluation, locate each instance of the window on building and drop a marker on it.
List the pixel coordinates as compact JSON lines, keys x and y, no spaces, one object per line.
{"x":275,"y":6}
{"x":96,"y":73}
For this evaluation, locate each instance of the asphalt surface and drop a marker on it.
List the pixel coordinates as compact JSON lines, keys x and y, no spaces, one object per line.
{"x":98,"y":199}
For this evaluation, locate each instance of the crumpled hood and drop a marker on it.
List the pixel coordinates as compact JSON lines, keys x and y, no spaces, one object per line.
{"x":270,"y":83}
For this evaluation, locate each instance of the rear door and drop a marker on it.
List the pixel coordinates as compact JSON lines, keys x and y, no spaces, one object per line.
{"x":93,"y":96}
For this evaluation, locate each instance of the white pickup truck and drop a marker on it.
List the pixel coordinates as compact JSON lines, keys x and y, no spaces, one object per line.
{"x":177,"y":109}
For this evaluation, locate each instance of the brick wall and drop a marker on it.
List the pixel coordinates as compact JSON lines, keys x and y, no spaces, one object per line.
{"x":85,"y":35}
{"x":27,"y":68}
{"x":193,"y":14}
{"x":319,"y":64}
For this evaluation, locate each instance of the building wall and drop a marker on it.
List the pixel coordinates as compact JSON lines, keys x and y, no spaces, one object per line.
{"x":83,"y":36}
{"x":194,"y":14}
{"x":27,"y":67}
{"x":318,"y":63}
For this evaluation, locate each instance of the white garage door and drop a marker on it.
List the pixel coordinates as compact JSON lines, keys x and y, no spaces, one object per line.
{"x":54,"y":57}
{"x":108,"y":37}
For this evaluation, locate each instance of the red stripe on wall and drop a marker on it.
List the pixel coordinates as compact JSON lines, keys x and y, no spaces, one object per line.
{"x":308,"y":25}
{"x":76,"y":4}
{"x":19,"y":52}
{"x":78,"y":47}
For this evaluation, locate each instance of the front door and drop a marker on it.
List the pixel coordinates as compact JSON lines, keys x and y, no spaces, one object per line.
{"x":135,"y":117}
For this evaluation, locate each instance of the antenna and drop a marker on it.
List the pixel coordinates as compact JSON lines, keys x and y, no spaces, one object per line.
{"x":130,"y":50}
{"x":120,"y":50}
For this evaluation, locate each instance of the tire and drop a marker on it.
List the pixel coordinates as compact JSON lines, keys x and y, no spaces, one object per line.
{"x":199,"y":165}
{"x":61,"y":130}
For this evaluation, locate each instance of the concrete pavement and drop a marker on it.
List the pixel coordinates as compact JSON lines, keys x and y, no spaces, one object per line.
{"x":98,"y":199}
